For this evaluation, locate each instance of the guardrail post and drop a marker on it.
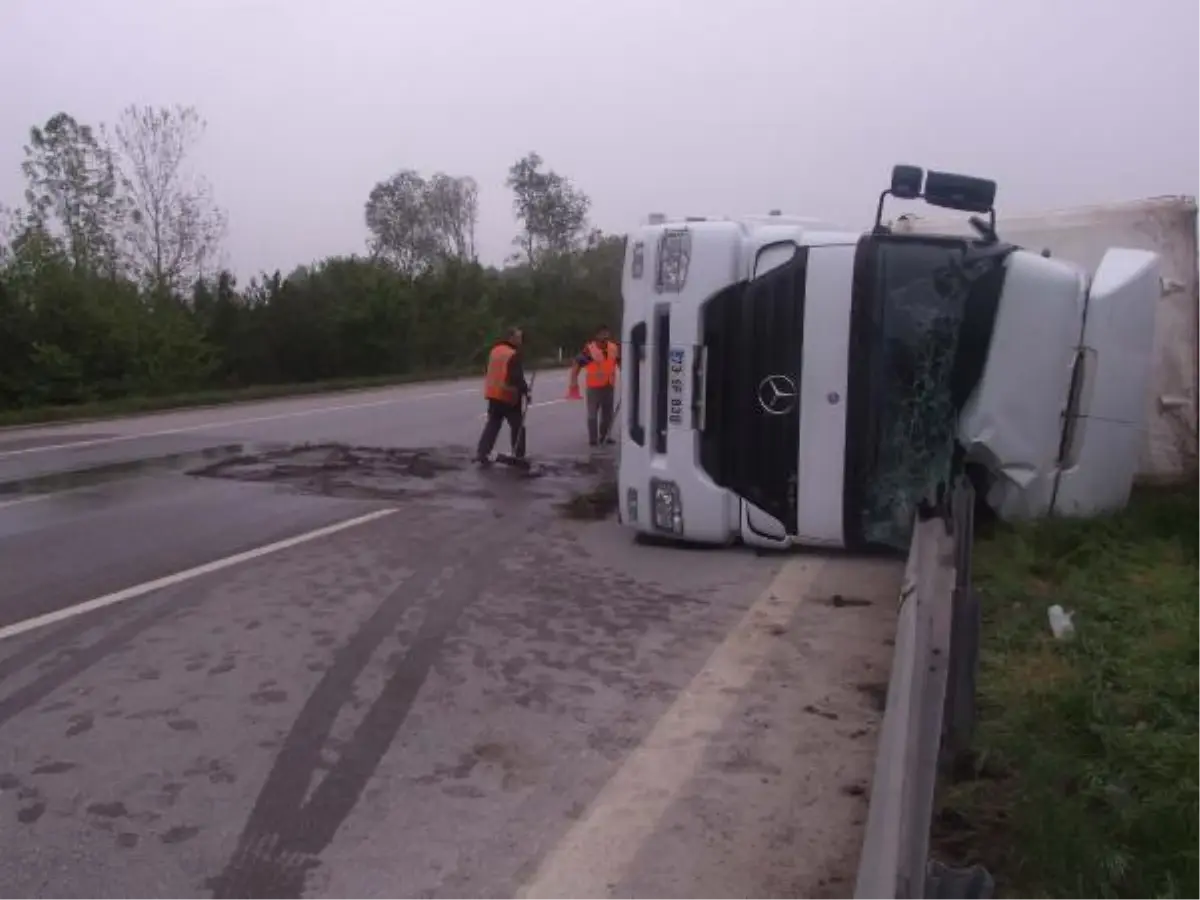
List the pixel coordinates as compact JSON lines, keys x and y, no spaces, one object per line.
{"x":958,"y":724}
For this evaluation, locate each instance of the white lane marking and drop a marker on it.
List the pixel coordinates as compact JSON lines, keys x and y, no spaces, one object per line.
{"x":139,"y":590}
{"x":114,"y":439}
{"x":4,"y":504}
{"x":602,"y":845}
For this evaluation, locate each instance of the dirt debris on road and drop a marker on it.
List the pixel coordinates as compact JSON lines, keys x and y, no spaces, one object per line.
{"x":427,"y":473}
{"x":597,"y":503}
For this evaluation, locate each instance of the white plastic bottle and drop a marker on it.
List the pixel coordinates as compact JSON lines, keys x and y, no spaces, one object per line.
{"x":1061,"y":625}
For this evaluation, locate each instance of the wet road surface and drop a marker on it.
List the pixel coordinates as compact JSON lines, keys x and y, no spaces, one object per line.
{"x":339,"y":661}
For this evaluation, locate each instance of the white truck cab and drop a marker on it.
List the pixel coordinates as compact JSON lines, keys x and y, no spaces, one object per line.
{"x":788,"y":383}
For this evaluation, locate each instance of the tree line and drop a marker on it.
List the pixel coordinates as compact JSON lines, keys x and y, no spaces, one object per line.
{"x":111,"y":282}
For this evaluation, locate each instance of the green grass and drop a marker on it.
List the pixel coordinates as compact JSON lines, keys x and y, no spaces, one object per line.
{"x":124,"y":406}
{"x":1085,"y":773}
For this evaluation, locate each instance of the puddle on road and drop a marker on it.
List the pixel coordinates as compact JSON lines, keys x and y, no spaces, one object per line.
{"x":95,"y":476}
{"x":445,"y":474}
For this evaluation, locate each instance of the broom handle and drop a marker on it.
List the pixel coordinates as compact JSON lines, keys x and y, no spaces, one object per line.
{"x":615,"y":416}
{"x":528,"y":402}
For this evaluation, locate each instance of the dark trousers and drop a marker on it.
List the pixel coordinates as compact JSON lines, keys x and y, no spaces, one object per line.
{"x":497,"y":414}
{"x":599,"y":413}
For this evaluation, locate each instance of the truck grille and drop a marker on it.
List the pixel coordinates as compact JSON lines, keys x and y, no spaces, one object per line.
{"x":754,"y":335}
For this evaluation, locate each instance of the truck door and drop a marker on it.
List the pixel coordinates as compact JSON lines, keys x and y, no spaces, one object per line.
{"x":1110,"y":392}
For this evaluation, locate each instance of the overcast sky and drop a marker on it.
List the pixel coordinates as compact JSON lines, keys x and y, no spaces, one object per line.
{"x":683,"y":106}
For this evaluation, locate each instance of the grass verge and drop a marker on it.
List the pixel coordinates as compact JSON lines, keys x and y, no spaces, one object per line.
{"x":1085,"y":773}
{"x":124,"y":406}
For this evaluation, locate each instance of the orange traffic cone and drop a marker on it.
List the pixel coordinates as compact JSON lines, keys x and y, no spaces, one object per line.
{"x":573,"y":392}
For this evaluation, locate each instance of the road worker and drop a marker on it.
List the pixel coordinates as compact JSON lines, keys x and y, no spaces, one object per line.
{"x":599,"y":360}
{"x":505,"y":388}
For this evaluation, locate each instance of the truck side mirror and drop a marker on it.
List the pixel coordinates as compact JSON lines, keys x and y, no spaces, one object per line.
{"x":961,"y":192}
{"x":906,"y":182}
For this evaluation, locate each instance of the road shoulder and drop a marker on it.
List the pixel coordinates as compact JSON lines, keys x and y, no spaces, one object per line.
{"x":755,"y":781}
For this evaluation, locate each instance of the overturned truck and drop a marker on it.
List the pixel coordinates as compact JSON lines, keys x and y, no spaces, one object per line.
{"x":791,"y":383}
{"x":1082,"y":235}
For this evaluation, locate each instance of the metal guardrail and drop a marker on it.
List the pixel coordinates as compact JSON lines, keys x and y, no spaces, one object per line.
{"x":930,"y":710}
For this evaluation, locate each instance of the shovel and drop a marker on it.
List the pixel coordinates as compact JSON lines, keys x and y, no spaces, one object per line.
{"x":612,"y":425}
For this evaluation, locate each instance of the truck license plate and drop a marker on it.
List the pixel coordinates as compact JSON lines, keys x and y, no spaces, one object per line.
{"x":675,"y":388}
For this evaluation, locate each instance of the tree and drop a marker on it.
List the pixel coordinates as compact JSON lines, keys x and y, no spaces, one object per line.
{"x":174,"y":226}
{"x":79,"y":323}
{"x":401,"y":232}
{"x":553,"y":212}
{"x":72,"y":187}
{"x":453,"y":207}
{"x":598,"y":272}
{"x":10,"y":228}
{"x":416,"y":224}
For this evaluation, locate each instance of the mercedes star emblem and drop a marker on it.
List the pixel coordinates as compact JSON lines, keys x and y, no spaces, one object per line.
{"x":777,"y":395}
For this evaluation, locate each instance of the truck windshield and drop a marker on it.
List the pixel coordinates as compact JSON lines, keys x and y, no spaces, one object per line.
{"x":921,"y":301}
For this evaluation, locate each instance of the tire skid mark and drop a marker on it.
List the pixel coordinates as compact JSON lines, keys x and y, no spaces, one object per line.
{"x":86,"y":657}
{"x":55,"y":641}
{"x":45,"y":646}
{"x":284,"y":836}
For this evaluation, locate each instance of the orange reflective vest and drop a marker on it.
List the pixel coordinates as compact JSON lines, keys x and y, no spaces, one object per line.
{"x":495,"y":383}
{"x":602,"y":370}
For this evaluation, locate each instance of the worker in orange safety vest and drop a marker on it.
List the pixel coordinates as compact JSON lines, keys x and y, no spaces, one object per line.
{"x":505,"y":388}
{"x":599,"y":360}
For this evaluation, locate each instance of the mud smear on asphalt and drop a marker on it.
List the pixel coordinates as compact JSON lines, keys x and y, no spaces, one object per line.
{"x":599,"y":502}
{"x":443,"y":474}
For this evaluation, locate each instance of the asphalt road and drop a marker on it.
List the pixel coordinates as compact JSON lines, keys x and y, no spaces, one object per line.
{"x":396,"y":675}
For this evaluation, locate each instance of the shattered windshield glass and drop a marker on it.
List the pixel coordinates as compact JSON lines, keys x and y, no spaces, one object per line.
{"x":924,"y":296}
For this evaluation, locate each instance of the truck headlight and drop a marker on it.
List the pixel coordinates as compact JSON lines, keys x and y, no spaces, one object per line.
{"x":668,"y":510}
{"x":674,"y":256}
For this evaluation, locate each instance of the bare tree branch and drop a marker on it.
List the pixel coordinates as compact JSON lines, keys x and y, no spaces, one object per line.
{"x":175,"y":228}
